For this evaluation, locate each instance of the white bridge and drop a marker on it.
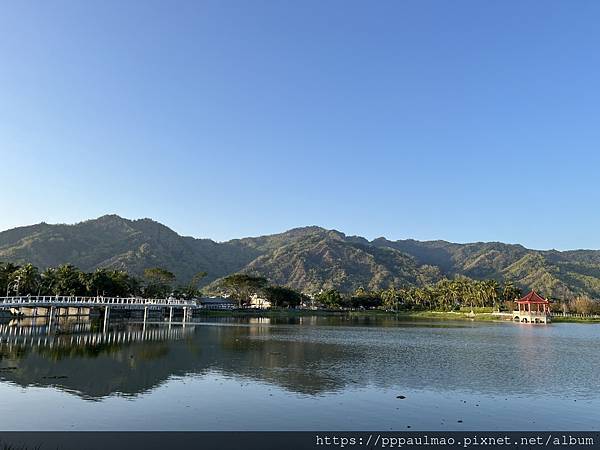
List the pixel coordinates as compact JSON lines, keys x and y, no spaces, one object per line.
{"x":52,"y":306}
{"x":48,"y":301}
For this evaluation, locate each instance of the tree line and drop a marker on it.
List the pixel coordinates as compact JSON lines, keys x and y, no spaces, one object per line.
{"x":582,"y":304}
{"x":445,"y":295}
{"x":156,"y":282}
{"x":448,"y":295}
{"x":68,"y":280}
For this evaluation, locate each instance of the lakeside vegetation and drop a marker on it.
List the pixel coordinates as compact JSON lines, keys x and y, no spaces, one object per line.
{"x":458,"y":295}
{"x":68,"y":280}
{"x":308,"y":259}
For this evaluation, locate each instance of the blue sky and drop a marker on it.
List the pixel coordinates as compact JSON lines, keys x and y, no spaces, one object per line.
{"x":463,"y":120}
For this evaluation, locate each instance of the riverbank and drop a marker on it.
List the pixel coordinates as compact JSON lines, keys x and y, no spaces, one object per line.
{"x":559,"y":319}
{"x":424,"y":315}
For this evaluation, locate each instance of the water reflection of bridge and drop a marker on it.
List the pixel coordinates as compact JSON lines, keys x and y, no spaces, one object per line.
{"x":43,"y":336}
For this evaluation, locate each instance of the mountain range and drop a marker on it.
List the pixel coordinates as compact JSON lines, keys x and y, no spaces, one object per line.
{"x":307,"y":259}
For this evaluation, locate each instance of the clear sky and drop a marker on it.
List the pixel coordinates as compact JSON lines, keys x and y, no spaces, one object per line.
{"x":456,"y":120}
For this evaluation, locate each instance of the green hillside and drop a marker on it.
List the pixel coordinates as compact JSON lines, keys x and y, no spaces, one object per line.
{"x":114,"y":242}
{"x":308,"y":259}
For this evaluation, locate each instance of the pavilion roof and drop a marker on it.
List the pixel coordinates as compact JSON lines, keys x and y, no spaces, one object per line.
{"x":533,"y":297}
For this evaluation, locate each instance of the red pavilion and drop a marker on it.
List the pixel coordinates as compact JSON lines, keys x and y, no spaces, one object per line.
{"x":533,"y":308}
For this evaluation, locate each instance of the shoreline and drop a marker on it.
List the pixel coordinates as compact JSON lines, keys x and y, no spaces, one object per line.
{"x":416,"y":315}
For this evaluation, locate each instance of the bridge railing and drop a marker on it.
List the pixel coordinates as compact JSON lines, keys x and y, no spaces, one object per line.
{"x":516,"y":312}
{"x":84,"y":301}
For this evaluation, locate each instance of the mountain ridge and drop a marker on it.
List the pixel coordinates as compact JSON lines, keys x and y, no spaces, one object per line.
{"x":308,"y":258}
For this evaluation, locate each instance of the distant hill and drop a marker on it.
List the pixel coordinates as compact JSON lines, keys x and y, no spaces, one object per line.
{"x":308,"y":259}
{"x":132,"y":245}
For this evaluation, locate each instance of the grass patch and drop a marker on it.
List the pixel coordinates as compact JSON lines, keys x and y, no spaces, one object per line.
{"x":467,"y":309}
{"x":559,"y":319}
{"x":479,"y":314}
{"x":428,"y":315}
{"x":269,"y":313}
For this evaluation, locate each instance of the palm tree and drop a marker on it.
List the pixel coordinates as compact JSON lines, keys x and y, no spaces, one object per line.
{"x":510,"y":292}
{"x":445,"y":293}
{"x":420,"y":296}
{"x":6,"y":272}
{"x":389,"y":298}
{"x":407,"y":296}
{"x":492,"y":288}
{"x":27,"y":280}
{"x":49,"y":281}
{"x":66,"y":280}
{"x":455,"y":291}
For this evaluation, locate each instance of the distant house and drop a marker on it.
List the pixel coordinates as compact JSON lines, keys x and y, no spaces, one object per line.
{"x":259,"y":302}
{"x":216,"y":303}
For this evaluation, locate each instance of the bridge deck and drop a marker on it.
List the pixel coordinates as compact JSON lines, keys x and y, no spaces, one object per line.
{"x":90,"y":302}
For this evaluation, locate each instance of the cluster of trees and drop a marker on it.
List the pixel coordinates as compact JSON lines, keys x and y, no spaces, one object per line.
{"x":243,"y":287}
{"x":69,"y":280}
{"x":582,"y":304}
{"x":445,"y":295}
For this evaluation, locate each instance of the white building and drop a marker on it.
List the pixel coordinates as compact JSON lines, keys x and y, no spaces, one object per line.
{"x":259,"y":302}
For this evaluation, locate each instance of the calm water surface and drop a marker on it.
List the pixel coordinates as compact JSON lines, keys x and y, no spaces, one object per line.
{"x":309,"y":373}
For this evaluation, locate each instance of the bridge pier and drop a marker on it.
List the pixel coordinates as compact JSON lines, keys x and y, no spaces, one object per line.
{"x":50,"y":317}
{"x":145,"y":319}
{"x":106,"y":318}
{"x":187,"y":314}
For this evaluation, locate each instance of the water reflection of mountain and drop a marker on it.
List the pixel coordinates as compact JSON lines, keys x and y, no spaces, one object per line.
{"x":320,"y":359}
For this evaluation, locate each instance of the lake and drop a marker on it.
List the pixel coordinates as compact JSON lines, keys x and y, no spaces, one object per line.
{"x":302,"y":373}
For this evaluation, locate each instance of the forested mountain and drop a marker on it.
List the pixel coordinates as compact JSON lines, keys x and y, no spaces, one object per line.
{"x":308,"y":259}
{"x":114,"y":242}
